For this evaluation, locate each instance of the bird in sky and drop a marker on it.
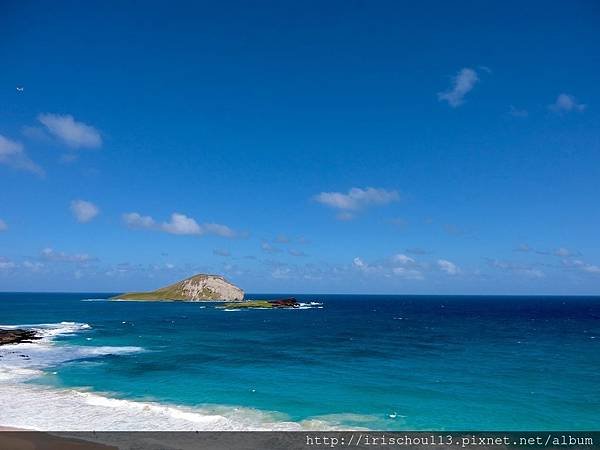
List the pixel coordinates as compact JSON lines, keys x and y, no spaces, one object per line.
{"x":20,"y":88}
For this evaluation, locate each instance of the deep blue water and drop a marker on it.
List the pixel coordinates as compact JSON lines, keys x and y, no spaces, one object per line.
{"x":433,"y":362}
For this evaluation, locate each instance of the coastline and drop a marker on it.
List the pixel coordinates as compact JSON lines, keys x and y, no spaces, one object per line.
{"x":73,"y":410}
{"x":42,"y":407}
{"x":197,"y":367}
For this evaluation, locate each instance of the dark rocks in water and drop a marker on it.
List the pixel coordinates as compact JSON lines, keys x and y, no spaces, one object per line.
{"x":264,"y":304}
{"x":16,"y":336}
{"x":285,"y":303}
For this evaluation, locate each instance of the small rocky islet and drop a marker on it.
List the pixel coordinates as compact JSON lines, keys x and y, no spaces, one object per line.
{"x":17,"y":336}
{"x":282,"y":303}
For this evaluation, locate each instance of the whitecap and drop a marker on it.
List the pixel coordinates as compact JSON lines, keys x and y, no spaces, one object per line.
{"x":311,"y":305}
{"x":27,"y":359}
{"x":52,"y":329}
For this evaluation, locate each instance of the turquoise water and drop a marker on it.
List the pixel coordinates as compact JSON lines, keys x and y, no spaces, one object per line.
{"x":381,"y":362}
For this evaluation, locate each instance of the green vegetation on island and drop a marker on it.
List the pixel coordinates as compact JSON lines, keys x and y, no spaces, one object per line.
{"x":263,"y":304}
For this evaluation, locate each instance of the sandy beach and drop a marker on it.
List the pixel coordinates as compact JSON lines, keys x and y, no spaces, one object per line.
{"x":19,"y":439}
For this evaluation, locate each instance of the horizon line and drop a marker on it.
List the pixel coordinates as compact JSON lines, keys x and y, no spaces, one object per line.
{"x":322,"y":293}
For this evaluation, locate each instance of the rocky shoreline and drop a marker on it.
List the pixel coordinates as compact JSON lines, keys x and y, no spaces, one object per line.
{"x":17,"y":336}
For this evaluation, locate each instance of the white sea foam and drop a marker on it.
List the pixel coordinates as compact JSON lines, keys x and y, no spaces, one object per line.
{"x":31,"y":406}
{"x":310,"y":305}
{"x":52,"y":329}
{"x":26,"y":359}
{"x":42,"y":408}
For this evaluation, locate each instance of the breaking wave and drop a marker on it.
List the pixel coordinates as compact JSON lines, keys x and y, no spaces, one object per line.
{"x":26,"y":359}
{"x":33,"y":406}
{"x":43,"y":408}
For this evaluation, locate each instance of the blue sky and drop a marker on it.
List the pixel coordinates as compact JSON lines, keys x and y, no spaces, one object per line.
{"x":334,"y":146}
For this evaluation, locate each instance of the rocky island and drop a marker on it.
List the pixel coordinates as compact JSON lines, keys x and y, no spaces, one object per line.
{"x":264,"y":304}
{"x":200,"y":287}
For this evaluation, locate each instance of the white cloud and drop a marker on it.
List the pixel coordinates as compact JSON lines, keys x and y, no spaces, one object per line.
{"x":136,"y":220}
{"x":581,"y":265}
{"x":221,"y":252}
{"x":218,"y":229}
{"x":447,"y":266}
{"x":573,"y":263}
{"x":519,"y":269}
{"x":12,"y":153}
{"x":407,"y":269}
{"x":355,"y":200}
{"x":268,"y":248}
{"x":357,"y":262}
{"x":72,"y":133}
{"x":281,"y":273}
{"x":178,"y":224}
{"x":7,"y":264}
{"x":3,"y":226}
{"x":409,"y":274}
{"x":50,"y":254}
{"x":530,"y":272}
{"x":525,"y":248}
{"x":34,"y":266}
{"x":403,"y":259}
{"x":592,"y":269}
{"x":84,"y":211}
{"x":181,"y":224}
{"x":565,"y":252}
{"x":566,"y":103}
{"x":462,"y":84}
{"x":561,"y":252}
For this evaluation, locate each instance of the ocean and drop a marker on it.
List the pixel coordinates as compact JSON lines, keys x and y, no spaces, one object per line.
{"x":343,"y":362}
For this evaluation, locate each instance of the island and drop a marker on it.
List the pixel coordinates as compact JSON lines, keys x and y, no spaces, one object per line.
{"x":200,"y":287}
{"x":263,"y":304}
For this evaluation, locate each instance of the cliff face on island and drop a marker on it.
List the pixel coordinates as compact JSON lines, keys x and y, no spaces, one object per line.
{"x":200,"y":287}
